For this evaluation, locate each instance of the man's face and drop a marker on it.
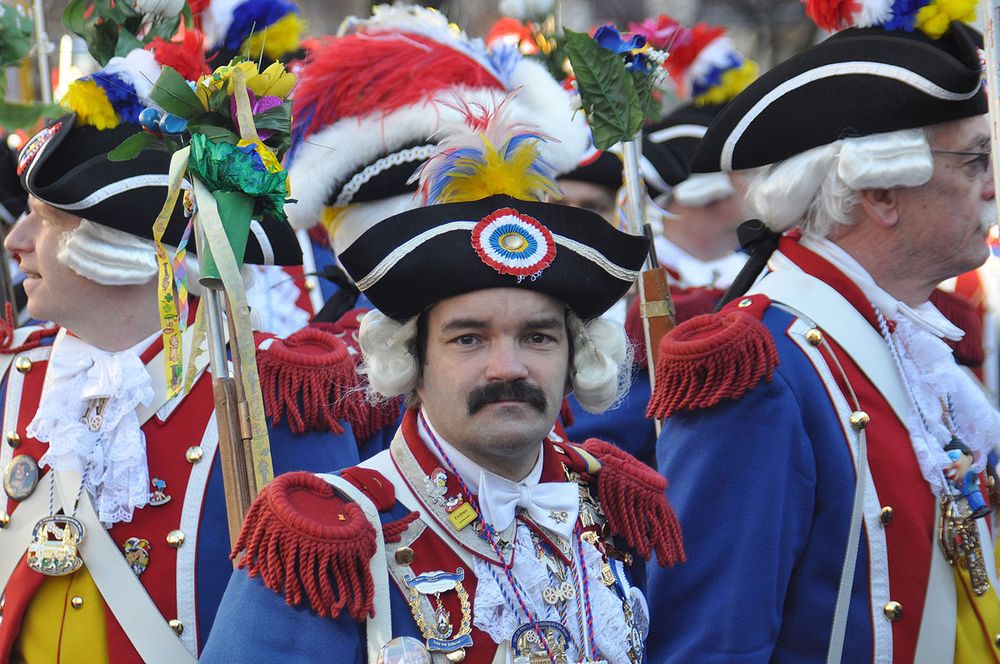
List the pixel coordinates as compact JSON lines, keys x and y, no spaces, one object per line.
{"x":495,"y":371}
{"x":944,"y":223}
{"x":54,"y":291}
{"x":588,"y":196}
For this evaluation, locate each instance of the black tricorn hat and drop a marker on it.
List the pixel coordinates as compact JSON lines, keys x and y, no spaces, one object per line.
{"x":858,"y":82}
{"x":66,"y":165}
{"x":414,"y":259}
{"x":680,"y":132}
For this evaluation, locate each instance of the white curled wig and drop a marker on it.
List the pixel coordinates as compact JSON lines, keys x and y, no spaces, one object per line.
{"x":818,"y":189}
{"x":600,"y":368}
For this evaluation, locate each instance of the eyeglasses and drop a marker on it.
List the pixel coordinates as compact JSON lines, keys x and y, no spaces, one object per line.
{"x":983,"y":159}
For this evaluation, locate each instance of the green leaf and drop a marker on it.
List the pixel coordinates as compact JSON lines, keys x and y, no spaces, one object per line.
{"x":25,"y":116}
{"x":127,"y":42}
{"x":73,"y":16}
{"x":131,"y":147}
{"x":164,"y":28}
{"x":607,"y":91}
{"x":648,"y":104}
{"x":214,"y":133}
{"x":175,"y":96}
{"x":278,"y":118}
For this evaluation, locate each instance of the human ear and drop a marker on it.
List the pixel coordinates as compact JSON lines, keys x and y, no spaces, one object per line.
{"x":880,"y":205}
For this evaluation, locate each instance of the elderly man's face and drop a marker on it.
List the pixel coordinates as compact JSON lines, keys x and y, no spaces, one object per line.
{"x":944,"y":223}
{"x":495,"y":371}
{"x":55,"y":292}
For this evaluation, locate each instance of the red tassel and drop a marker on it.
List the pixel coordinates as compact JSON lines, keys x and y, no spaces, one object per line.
{"x":393,"y":532}
{"x":711,"y":358}
{"x":7,"y":327}
{"x":956,"y":308}
{"x":631,"y":495}
{"x":305,"y":542}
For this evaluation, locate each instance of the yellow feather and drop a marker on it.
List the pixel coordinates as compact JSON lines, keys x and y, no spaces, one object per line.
{"x":474,"y":179}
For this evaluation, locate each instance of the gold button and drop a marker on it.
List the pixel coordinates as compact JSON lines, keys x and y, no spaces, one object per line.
{"x":76,"y":602}
{"x":4,"y":519}
{"x":176,"y":625}
{"x":814,"y":336}
{"x":194,"y":454}
{"x":310,"y":285}
{"x":404,"y":555}
{"x":859,"y":420}
{"x":996,"y":640}
{"x":885,"y":516}
{"x":13,"y":439}
{"x":893,"y":611}
{"x":175,"y":538}
{"x":744,"y":303}
{"x":22,"y":364}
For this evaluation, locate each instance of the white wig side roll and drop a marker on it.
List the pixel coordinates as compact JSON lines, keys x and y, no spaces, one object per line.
{"x":106,"y":255}
{"x":818,"y":188}
{"x":601,"y":369}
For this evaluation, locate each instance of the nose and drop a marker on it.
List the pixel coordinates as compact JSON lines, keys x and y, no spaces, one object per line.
{"x":506,"y":362}
{"x":21,"y":238}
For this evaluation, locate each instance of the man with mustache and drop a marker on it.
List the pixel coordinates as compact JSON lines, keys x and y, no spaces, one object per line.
{"x":504,"y":542}
{"x":827,"y":400}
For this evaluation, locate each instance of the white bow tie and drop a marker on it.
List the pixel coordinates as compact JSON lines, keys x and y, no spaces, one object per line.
{"x":554,"y":505}
{"x":104,"y":370}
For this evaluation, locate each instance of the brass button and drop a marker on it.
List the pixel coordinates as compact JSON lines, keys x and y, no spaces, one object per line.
{"x":175,"y":538}
{"x":996,"y":640}
{"x":13,"y":439}
{"x":744,"y":303}
{"x":22,"y":364}
{"x":176,"y":625}
{"x":859,"y":420}
{"x":404,"y":555}
{"x":310,"y":285}
{"x":4,"y":519}
{"x":893,"y":611}
{"x":76,"y":602}
{"x":814,"y":336}
{"x":885,"y":516}
{"x":194,"y":454}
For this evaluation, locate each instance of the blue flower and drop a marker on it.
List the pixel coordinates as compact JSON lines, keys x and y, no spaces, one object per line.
{"x":608,"y":37}
{"x":638,"y":62}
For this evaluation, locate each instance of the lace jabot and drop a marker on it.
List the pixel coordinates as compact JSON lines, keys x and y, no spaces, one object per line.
{"x":111,"y":458}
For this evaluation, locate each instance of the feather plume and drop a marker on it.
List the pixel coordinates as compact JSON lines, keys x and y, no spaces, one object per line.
{"x":931,"y":17}
{"x":494,"y":156}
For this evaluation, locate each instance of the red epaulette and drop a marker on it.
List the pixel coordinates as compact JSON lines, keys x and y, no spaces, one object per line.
{"x":306,"y":542}
{"x":713,"y":357}
{"x":632,"y":497}
{"x":310,"y":378}
{"x":956,"y":308}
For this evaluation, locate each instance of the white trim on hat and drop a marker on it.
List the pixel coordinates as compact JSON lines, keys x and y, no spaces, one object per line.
{"x":678,"y":131}
{"x":894,"y":72}
{"x":115,"y":188}
{"x":586,"y":251}
{"x":265,"y":243}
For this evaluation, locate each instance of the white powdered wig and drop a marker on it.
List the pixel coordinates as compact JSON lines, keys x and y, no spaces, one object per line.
{"x":703,"y":188}
{"x":106,"y":255}
{"x":601,"y":369}
{"x":818,"y":189}
{"x":602,"y":363}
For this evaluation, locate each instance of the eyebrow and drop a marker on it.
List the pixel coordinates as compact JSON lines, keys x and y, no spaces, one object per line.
{"x":544,"y":323}
{"x":980,"y":144}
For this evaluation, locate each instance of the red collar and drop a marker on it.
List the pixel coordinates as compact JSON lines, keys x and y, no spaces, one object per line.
{"x":813,"y":264}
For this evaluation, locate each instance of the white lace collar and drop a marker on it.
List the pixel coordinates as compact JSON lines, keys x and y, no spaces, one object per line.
{"x":112,"y":457}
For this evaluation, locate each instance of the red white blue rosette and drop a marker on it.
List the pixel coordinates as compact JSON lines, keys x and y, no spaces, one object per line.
{"x":513,"y":243}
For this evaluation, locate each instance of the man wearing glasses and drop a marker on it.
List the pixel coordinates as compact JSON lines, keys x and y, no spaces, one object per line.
{"x":849,"y":448}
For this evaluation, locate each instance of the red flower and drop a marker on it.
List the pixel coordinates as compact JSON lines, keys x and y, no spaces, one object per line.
{"x":198,"y":6}
{"x":186,"y":56}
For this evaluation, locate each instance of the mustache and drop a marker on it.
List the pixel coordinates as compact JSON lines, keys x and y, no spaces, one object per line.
{"x":515,"y":390}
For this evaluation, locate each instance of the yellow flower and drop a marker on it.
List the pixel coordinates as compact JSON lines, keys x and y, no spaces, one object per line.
{"x":273,"y":81}
{"x":90,"y":103}
{"x":248,"y":68}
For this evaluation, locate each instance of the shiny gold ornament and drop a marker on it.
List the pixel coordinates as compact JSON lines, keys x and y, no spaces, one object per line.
{"x":893,"y":611}
{"x":175,"y":538}
{"x":404,"y":555}
{"x":859,"y":420}
{"x":194,"y":454}
{"x":886,"y":515}
{"x":22,"y":364}
{"x":76,"y":602}
{"x":176,"y":625}
{"x":814,"y":336}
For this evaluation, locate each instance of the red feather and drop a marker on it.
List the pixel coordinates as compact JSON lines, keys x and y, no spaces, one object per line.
{"x":831,"y":15}
{"x":186,"y":56}
{"x":361,"y":74}
{"x":685,"y":51}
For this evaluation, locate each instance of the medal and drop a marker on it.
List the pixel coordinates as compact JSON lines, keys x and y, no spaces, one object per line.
{"x":958,"y":535}
{"x":21,"y":477}
{"x":53,"y":551}
{"x":436,"y":486}
{"x":137,"y":554}
{"x":440,"y":634}
{"x":158,"y":496}
{"x":529,"y":649}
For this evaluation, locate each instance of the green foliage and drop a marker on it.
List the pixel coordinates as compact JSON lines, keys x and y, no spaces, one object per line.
{"x":175,"y":96}
{"x":113,"y":27}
